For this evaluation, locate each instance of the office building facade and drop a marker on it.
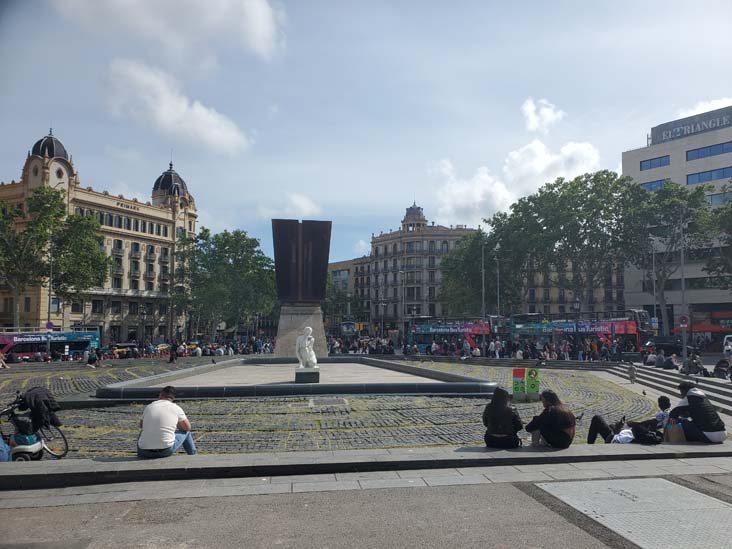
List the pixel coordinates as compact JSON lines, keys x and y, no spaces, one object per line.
{"x":690,"y":151}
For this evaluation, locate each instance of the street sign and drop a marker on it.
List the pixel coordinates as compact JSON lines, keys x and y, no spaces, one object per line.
{"x":654,"y":323}
{"x":683,"y":321}
{"x":49,"y":325}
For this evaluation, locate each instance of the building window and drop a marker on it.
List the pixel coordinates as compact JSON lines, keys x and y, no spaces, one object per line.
{"x":431,"y":262}
{"x":136,"y":224}
{"x":117,"y":283}
{"x":134,"y":307}
{"x":164,"y":288}
{"x":55,"y":305}
{"x":158,"y":229}
{"x":78,"y":211}
{"x":165,"y":231}
{"x":711,"y":175}
{"x":545,"y":295}
{"x":118,"y":221}
{"x":128,"y":223}
{"x":712,"y":150}
{"x":27,"y":304}
{"x":653,"y":185}
{"x":431,"y":309}
{"x":431,"y":276}
{"x":431,"y":292}
{"x":532,"y":309}
{"x":562,"y":309}
{"x":431,"y":246}
{"x":97,"y":306}
{"x":719,"y":198}
{"x":532,"y":295}
{"x":108,"y":220}
{"x":163,"y":309}
{"x":77,"y":306}
{"x":151,"y":228}
{"x":444,"y":247}
{"x":655,"y":162}
{"x":117,"y":244}
{"x":190,"y":226}
{"x":547,"y":310}
{"x":149,"y":286}
{"x":144,"y":226}
{"x":116,"y":307}
{"x":134,"y":284}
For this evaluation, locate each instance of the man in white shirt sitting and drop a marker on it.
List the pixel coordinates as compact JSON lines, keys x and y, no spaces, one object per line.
{"x":165,"y":428}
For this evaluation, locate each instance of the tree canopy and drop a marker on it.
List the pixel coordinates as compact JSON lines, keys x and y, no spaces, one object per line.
{"x":31,"y":236}
{"x":222,"y":277}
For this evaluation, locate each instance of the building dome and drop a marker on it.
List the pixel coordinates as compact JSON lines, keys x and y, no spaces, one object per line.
{"x":50,"y":146}
{"x":414,"y":212}
{"x":170,"y":183}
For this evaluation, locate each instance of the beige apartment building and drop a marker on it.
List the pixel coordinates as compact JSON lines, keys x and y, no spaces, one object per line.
{"x":689,"y":151}
{"x":140,"y":237}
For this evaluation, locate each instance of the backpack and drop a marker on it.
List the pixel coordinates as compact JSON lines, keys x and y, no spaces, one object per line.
{"x":641,"y":435}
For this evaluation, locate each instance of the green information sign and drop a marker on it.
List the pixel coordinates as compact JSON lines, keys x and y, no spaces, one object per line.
{"x":532,"y":380}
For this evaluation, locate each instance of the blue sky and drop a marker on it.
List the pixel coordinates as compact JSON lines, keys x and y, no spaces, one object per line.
{"x":350,"y":110}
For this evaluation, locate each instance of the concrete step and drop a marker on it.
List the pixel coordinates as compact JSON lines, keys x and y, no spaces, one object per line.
{"x":669,"y":387}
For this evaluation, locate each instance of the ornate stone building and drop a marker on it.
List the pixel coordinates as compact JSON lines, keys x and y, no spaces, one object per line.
{"x":400,"y":280}
{"x":140,"y":237}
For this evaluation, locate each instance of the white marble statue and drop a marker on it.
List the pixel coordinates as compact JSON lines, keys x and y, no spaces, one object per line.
{"x":304,"y":349}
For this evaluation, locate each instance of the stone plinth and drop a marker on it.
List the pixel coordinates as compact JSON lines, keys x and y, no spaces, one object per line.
{"x":293,"y":320}
{"x":307,"y":375}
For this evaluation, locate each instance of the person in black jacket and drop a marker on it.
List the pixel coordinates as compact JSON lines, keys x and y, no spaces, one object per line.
{"x":502,"y":421}
{"x":556,"y":423}
{"x":697,"y":416}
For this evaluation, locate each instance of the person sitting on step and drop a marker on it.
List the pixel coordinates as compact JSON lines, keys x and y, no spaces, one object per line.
{"x":555,"y":424}
{"x":502,"y":421}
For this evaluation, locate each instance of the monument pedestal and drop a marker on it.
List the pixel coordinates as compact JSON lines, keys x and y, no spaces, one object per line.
{"x":293,"y":320}
{"x":307,"y":375}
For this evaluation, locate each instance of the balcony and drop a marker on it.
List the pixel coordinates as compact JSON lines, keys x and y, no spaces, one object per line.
{"x":149,"y":275}
{"x":118,"y":252}
{"x":135,"y":254}
{"x":150,"y":256}
{"x":118,"y":270}
{"x":165,"y":258}
{"x":164,"y":277}
{"x":135,"y":273}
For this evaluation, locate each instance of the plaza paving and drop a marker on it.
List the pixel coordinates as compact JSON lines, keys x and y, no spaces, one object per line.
{"x":284,"y":424}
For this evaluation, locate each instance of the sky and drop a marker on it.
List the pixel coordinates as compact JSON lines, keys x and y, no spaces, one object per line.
{"x":351,"y":111}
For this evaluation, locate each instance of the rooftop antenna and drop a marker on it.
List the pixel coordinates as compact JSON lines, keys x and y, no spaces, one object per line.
{"x":50,"y":128}
{"x":171,"y":158}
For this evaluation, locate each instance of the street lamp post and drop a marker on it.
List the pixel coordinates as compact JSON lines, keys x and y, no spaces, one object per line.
{"x":143,"y":317}
{"x":482,"y":295}
{"x":402,"y":314}
{"x":498,"y":281}
{"x":684,"y":350}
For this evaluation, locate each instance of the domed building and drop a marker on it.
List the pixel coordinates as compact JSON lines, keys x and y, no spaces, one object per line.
{"x":134,"y":304}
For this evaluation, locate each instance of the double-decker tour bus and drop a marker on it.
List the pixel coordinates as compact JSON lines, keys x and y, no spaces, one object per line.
{"x":453,"y":332}
{"x":32,"y":346}
{"x":632,"y":327}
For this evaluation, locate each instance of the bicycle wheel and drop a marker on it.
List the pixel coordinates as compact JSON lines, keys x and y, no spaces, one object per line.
{"x":54,"y":441}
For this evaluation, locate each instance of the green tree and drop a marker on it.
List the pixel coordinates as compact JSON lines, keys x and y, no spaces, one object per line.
{"x":659,"y":251}
{"x":222,"y":278}
{"x":25,"y":236}
{"x":719,"y":264}
{"x":78,"y":260}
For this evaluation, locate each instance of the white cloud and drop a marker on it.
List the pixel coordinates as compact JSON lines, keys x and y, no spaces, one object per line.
{"x":295,"y":206}
{"x":705,"y":106}
{"x":470,"y":200}
{"x":529,"y":167}
{"x":154,"y":98}
{"x":186,"y":30}
{"x":361,"y":247}
{"x":540,"y":115}
{"x":467,"y":201}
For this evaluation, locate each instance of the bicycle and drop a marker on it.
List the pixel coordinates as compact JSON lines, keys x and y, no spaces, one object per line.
{"x":52,"y":438}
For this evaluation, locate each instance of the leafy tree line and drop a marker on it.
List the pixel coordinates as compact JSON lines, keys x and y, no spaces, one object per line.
{"x":40,"y":241}
{"x":579,"y":230}
{"x":222,"y":277}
